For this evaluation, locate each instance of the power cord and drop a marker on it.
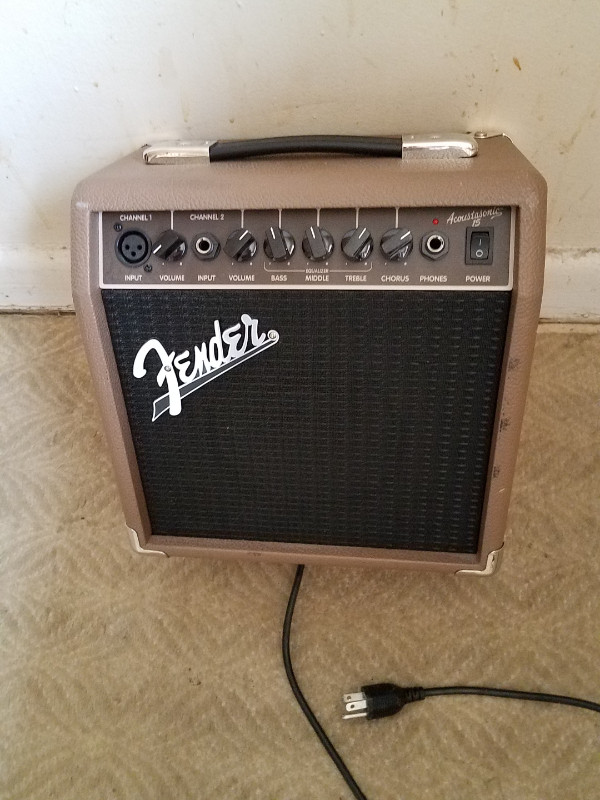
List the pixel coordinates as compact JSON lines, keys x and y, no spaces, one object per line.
{"x":385,"y":699}
{"x":306,"y":709}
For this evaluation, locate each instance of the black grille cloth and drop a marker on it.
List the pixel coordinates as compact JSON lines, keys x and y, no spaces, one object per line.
{"x":368,"y":423}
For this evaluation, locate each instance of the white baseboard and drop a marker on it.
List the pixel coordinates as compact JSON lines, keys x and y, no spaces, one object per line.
{"x":35,"y":279}
{"x":38,"y":279}
{"x":572,"y":286}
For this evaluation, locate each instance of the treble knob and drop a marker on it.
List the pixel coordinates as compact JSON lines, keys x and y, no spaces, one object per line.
{"x":279,"y":244}
{"x":317,"y":243}
{"x":241,"y":245}
{"x":170,"y":246}
{"x":357,"y":244}
{"x":396,"y":244}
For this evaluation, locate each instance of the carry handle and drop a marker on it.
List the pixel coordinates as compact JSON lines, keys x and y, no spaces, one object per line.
{"x":431,"y":145}
{"x":288,"y":145}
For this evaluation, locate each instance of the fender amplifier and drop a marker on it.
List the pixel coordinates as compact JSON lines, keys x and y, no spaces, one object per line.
{"x":314,"y":348}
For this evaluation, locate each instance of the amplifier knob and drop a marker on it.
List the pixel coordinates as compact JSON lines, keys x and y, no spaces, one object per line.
{"x":279,"y":244}
{"x":357,"y":244}
{"x":170,"y":246}
{"x":241,"y":245}
{"x":396,"y":244}
{"x":317,"y":243}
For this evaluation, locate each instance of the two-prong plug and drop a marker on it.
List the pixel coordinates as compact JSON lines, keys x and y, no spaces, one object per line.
{"x":380,"y":700}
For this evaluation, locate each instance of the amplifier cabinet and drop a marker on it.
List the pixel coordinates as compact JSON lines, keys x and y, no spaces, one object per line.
{"x":314,"y":359}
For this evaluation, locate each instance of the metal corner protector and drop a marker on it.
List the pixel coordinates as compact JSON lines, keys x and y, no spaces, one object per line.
{"x":493,"y":562}
{"x":135,"y":544}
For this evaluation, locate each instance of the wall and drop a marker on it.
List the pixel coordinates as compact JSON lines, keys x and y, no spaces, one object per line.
{"x":84,"y":83}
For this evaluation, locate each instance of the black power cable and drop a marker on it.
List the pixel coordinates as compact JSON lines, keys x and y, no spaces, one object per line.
{"x":513,"y":694}
{"x":308,"y":712}
{"x":385,"y":699}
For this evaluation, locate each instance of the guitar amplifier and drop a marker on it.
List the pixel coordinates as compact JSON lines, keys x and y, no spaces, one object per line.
{"x":314,"y":349}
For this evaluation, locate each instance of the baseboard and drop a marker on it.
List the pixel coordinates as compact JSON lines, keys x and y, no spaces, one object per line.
{"x":38,"y":279}
{"x":35,"y":279}
{"x":572,"y":286}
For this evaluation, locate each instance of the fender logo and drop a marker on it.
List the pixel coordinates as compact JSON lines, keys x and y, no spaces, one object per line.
{"x":184,"y":374}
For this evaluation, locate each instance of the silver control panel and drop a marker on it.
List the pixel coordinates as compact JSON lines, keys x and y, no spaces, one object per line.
{"x":466,"y":248}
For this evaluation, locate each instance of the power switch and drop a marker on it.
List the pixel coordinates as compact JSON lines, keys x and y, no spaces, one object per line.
{"x":480,"y":243}
{"x":480,"y":246}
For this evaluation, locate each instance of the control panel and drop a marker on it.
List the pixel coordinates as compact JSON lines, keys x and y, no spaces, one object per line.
{"x":328,"y":248}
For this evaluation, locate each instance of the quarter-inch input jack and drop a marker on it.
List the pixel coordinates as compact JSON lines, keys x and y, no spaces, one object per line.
{"x":206,"y":247}
{"x":434,"y":245}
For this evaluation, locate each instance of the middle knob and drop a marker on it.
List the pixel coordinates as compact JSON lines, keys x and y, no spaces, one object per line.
{"x":317,"y":243}
{"x":241,"y":245}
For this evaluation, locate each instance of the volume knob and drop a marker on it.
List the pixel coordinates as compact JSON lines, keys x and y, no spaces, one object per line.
{"x":241,"y":245}
{"x":170,"y":246}
{"x":317,"y":243}
{"x":396,"y":244}
{"x":279,"y":244}
{"x":357,"y":244}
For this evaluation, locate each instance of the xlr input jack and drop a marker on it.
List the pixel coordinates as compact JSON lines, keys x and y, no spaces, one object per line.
{"x":132,"y":248}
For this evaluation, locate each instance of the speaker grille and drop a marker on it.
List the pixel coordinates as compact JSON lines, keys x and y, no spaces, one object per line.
{"x":368,"y":424}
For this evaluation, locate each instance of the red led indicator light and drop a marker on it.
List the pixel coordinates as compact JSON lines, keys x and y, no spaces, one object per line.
{"x":435,"y":221}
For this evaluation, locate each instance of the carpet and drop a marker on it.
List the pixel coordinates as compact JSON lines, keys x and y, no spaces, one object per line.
{"x":126,"y":676}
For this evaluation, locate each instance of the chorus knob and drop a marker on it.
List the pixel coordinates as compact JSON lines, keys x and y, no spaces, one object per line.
{"x":279,"y":244}
{"x":357,"y":244}
{"x":317,"y":243}
{"x":396,"y":244}
{"x":241,"y":245}
{"x":170,"y":246}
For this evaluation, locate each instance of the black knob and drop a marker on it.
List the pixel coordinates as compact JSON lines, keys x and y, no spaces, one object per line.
{"x":357,"y":244}
{"x":279,"y":244}
{"x":317,"y":243}
{"x":170,"y":246}
{"x":241,"y":245}
{"x":396,"y":244}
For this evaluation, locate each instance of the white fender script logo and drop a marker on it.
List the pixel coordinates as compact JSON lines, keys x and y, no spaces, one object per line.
{"x":184,"y":374}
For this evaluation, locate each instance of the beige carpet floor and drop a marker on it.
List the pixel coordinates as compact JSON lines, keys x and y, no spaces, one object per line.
{"x":124,"y":676}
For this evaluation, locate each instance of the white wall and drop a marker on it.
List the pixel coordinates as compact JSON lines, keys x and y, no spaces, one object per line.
{"x":85,"y":82}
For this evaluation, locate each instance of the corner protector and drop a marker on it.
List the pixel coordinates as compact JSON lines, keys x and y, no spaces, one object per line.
{"x":493,"y":562}
{"x":135,"y":543}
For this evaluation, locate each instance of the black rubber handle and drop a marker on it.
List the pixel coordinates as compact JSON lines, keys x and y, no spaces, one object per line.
{"x":283,"y":145}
